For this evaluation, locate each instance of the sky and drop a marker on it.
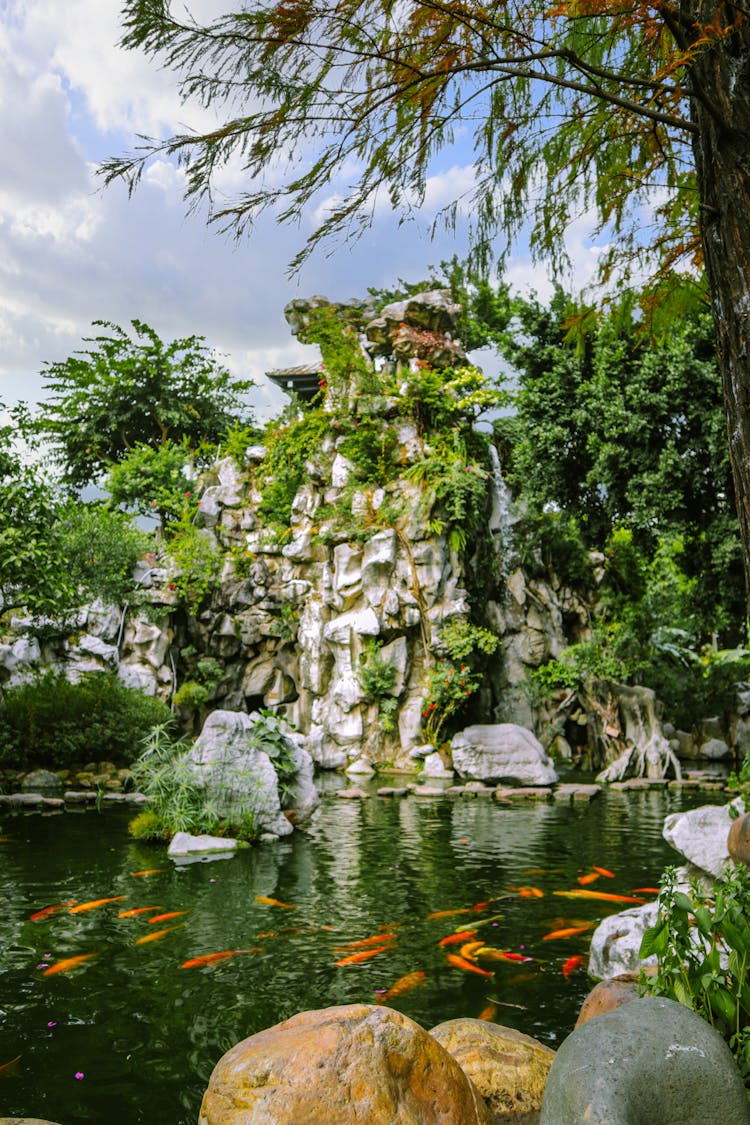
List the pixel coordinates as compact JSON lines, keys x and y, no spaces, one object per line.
{"x":72,"y":252}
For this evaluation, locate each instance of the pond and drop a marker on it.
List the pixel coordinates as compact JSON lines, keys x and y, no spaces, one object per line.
{"x":129,"y":1035}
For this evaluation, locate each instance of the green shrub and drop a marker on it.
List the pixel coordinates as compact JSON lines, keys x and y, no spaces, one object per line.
{"x":191,"y":694}
{"x":702,"y":944}
{"x":54,"y":723}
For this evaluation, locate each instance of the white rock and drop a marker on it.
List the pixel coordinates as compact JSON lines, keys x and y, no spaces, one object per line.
{"x":184,"y":844}
{"x":617,"y":940}
{"x":361,"y":767}
{"x":362,"y":622}
{"x":340,"y":471}
{"x":495,"y":751}
{"x":700,"y":835}
{"x":714,"y":748}
{"x":434,"y":766}
{"x":95,"y":646}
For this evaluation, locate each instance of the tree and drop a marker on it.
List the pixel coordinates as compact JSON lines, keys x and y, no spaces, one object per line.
{"x":123,"y":392}
{"x":625,"y":432}
{"x":640,"y":110}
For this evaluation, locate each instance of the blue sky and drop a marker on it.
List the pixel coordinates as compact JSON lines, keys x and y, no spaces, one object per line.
{"x":71,"y":253}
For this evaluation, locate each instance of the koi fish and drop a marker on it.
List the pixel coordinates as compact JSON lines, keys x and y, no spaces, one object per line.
{"x":50,"y":910}
{"x":570,"y":966}
{"x":157,"y":934}
{"x":466,"y":966}
{"x":501,"y":955}
{"x":148,"y":871}
{"x":453,"y":939}
{"x":67,"y":963}
{"x":584,"y":880}
{"x":211,"y":958}
{"x":363,"y":955}
{"x":571,"y":931}
{"x":482,"y":905}
{"x":646,"y":890}
{"x":403,"y":984}
{"x":602,"y":871}
{"x":600,"y":896}
{"x":375,"y":940}
{"x":8,"y":1070}
{"x":469,"y":949}
{"x":137,"y":910}
{"x":266,"y":901}
{"x":448,"y":913}
{"x":94,"y":904}
{"x":528,"y":892}
{"x":488,"y":1013}
{"x":167,"y":916}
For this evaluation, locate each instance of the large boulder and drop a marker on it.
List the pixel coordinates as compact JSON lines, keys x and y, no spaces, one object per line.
{"x":507,"y":1067}
{"x":240,"y":780}
{"x":608,"y":995}
{"x":700,"y":835}
{"x":358,"y":1064}
{"x":652,"y":1060}
{"x":501,"y":751}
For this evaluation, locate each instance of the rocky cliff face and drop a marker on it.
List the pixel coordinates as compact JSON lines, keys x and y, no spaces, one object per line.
{"x":363,"y":576}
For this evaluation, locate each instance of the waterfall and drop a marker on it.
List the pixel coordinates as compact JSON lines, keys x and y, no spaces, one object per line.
{"x":502,"y":517}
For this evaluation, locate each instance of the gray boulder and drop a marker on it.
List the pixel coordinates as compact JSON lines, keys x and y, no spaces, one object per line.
{"x":651,"y":1060}
{"x":240,"y":780}
{"x":500,"y":751}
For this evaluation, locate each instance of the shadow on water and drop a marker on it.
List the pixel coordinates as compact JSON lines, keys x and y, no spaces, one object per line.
{"x":129,"y":1036}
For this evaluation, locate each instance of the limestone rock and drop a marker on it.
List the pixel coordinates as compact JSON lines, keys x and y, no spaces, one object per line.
{"x":508,"y":1068}
{"x":649,"y":1061}
{"x":41,"y":780}
{"x":183,"y":843}
{"x":496,"y":751}
{"x":240,"y":780}
{"x":616,"y":942}
{"x":434,"y":766}
{"x":714,"y":748}
{"x":700,"y":835}
{"x":357,"y":1064}
{"x":738,"y":840}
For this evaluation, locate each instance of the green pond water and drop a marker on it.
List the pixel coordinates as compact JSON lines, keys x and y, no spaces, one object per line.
{"x":129,"y":1036}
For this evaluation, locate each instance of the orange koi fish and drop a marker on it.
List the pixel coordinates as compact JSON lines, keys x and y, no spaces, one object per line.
{"x":469,"y":949}
{"x":157,"y":934}
{"x":167,"y":916}
{"x":600,"y":896}
{"x":488,"y":952}
{"x":448,"y":913}
{"x":211,"y":958}
{"x":570,"y":966}
{"x":646,"y":890}
{"x":363,"y":955}
{"x":137,"y":910}
{"x":148,"y":871}
{"x":50,"y":910}
{"x":466,"y":966}
{"x":602,"y":871}
{"x":572,"y":931}
{"x":584,"y":880}
{"x":479,"y":906}
{"x":488,"y":1013}
{"x":67,"y":963}
{"x":403,"y":984}
{"x":93,"y":905}
{"x":266,"y":901}
{"x":453,"y":939}
{"x":9,"y":1069}
{"x":375,"y":940}
{"x":529,"y":892}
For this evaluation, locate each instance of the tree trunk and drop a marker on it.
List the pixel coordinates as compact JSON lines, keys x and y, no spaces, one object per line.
{"x":720,"y":107}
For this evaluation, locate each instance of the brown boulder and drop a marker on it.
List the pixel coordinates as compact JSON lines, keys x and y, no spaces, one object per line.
{"x":508,"y":1068}
{"x":608,"y":995}
{"x":357,"y":1064}
{"x":738,"y":841}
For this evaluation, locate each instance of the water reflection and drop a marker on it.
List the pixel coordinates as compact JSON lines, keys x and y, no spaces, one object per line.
{"x":145,"y":1033}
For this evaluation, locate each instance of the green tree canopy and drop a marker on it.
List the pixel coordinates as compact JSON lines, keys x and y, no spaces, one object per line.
{"x":639,"y":112}
{"x":124,"y":391}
